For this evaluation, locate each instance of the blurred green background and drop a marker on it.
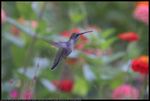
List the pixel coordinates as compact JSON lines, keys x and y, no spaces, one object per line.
{"x":25,"y":54}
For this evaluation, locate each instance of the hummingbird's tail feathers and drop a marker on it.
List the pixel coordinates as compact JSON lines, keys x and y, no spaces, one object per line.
{"x":55,"y":63}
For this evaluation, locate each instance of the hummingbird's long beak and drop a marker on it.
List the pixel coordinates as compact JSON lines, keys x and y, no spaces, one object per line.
{"x":84,"y":32}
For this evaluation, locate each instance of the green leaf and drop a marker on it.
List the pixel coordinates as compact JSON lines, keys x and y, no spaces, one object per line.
{"x":76,"y":17}
{"x":117,"y":80}
{"x":15,"y":40}
{"x":116,"y":56}
{"x":42,"y":26}
{"x":106,"y":44}
{"x":133,"y":50}
{"x":80,"y":87}
{"x":18,"y":55}
{"x":108,"y":32}
{"x":25,"y":10}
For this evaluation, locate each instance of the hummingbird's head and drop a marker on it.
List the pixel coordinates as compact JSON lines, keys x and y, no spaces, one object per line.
{"x":75,"y":36}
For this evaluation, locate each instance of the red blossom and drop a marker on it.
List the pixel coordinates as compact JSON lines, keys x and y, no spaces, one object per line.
{"x":84,"y":39}
{"x":81,"y":43}
{"x":142,"y":3}
{"x":79,"y":46}
{"x":72,"y":61}
{"x":96,"y":52}
{"x":141,"y":12}
{"x":75,"y":30}
{"x":125,"y":91}
{"x":67,"y":34}
{"x":141,"y":65}
{"x":64,"y":85}
{"x":128,"y":36}
{"x":15,"y":31}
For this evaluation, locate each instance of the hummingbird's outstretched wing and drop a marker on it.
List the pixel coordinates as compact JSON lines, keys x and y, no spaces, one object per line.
{"x":59,"y":44}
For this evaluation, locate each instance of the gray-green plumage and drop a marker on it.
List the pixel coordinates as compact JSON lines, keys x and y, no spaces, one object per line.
{"x":65,"y":48}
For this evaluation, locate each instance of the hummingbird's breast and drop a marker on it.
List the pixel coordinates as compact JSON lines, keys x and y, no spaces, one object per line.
{"x":72,"y":44}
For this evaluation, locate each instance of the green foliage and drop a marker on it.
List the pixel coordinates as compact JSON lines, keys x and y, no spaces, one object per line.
{"x":80,"y":87}
{"x":26,"y":47}
{"x":24,"y":8}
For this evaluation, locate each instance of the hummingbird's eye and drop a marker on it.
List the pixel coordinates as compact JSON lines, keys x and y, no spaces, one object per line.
{"x":77,"y":34}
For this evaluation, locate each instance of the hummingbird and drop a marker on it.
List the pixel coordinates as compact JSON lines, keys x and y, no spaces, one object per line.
{"x":65,"y":48}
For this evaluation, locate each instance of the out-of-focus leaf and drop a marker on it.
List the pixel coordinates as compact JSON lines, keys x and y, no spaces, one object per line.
{"x":25,"y":29}
{"x":11,"y":9}
{"x":133,"y":50}
{"x":42,"y":28}
{"x":25,"y":10}
{"x":80,"y":87}
{"x":114,"y":57}
{"x":15,"y":40}
{"x":41,"y":91}
{"x":18,"y":55}
{"x":76,"y":16}
{"x":108,"y":32}
{"x":106,"y":44}
{"x":117,"y":80}
{"x":93,"y":61}
{"x":107,"y":72}
{"x":36,"y":6}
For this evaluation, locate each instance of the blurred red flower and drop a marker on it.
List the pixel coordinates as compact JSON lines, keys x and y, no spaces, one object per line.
{"x":34,"y":24}
{"x":67,"y":34}
{"x":79,"y":46}
{"x":3,"y":16}
{"x":21,"y":20}
{"x":141,"y":65}
{"x":14,"y":94}
{"x":72,"y":61}
{"x":64,"y":85}
{"x":128,"y":36}
{"x":141,"y":12}
{"x":125,"y":92}
{"x":96,"y":52}
{"x":142,"y":3}
{"x":15,"y":31}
